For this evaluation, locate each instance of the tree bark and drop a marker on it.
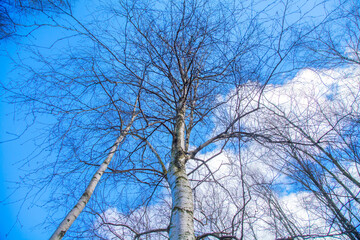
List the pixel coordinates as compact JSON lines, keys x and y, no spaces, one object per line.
{"x":84,"y":199}
{"x":182,"y":212}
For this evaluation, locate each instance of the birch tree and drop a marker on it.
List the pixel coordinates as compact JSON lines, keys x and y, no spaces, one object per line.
{"x":192,"y":49}
{"x":154,"y":75}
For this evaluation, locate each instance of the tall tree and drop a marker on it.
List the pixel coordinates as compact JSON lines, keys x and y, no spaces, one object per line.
{"x":158,"y":73}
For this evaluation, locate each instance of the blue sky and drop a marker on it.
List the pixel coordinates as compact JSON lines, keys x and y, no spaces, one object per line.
{"x":18,"y":221}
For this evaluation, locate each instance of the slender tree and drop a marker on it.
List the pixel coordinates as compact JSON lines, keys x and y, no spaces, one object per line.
{"x":156,"y":78}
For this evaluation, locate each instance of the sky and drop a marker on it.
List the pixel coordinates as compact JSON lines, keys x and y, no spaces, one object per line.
{"x":295,"y":96}
{"x":18,"y":221}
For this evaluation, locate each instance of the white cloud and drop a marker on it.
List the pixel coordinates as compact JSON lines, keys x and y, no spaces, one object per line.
{"x":143,"y":219}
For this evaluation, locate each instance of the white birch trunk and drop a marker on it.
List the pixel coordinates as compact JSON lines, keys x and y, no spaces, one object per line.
{"x":84,"y":199}
{"x":182,"y":212}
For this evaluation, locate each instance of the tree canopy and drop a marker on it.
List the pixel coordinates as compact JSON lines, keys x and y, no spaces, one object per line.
{"x":193,"y":119}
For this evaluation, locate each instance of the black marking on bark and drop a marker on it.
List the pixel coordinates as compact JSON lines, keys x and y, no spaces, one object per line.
{"x":62,"y":234}
{"x":86,"y":194}
{"x":183,"y":210}
{"x":178,"y":179}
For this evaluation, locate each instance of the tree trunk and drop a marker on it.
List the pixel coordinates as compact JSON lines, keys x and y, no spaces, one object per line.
{"x":182,"y":219}
{"x":84,"y":199}
{"x":182,"y":212}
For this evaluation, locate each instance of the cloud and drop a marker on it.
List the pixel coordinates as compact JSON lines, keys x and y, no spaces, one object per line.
{"x":112,"y":222}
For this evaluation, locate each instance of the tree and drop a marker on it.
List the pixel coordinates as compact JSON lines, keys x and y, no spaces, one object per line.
{"x":156,"y":75}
